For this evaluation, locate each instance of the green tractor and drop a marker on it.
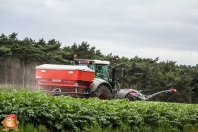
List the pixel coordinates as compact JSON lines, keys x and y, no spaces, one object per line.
{"x":86,"y":78}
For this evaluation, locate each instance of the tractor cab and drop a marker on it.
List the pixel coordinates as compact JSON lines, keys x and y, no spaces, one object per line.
{"x":100,"y":67}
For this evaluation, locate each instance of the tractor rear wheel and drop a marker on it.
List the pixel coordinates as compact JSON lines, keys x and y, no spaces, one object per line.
{"x":102,"y":92}
{"x":130,"y":97}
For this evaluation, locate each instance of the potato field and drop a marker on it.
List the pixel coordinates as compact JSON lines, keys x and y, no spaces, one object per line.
{"x":66,"y":113}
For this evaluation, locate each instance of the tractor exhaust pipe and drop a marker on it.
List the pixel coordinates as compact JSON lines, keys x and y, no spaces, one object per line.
{"x":113,"y":77}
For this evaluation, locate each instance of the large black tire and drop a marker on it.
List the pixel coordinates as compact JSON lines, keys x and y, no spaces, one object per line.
{"x":130,"y":97}
{"x":102,"y":92}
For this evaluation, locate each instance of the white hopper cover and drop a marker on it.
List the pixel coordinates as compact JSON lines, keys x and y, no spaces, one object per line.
{"x":63,"y":67}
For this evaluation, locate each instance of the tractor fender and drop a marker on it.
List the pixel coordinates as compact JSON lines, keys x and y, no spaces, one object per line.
{"x":97,"y":82}
{"x":122,"y":93}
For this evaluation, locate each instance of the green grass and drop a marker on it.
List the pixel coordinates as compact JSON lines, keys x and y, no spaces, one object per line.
{"x":28,"y":128}
{"x":9,"y":87}
{"x":125,"y":128}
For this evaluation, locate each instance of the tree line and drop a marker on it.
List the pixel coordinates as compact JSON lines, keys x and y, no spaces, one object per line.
{"x":20,"y":57}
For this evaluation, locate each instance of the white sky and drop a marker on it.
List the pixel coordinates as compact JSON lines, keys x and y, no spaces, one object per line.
{"x":166,"y":29}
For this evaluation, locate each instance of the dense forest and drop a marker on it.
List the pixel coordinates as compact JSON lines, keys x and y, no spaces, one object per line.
{"x":19,"y":57}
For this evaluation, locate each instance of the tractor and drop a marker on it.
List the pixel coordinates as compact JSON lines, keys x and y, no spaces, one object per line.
{"x":86,"y":78}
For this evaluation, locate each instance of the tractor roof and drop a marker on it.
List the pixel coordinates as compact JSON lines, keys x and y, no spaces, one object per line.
{"x":95,"y":61}
{"x":101,"y":62}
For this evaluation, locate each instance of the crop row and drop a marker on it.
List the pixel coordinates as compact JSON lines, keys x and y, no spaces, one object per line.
{"x":73,"y":114}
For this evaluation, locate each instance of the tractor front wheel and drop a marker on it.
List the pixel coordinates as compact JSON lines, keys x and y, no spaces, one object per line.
{"x":102,"y":92}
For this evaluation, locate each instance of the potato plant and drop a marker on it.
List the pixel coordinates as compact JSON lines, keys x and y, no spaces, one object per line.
{"x":73,"y":114}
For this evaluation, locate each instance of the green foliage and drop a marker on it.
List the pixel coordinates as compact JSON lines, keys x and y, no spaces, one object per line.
{"x":4,"y":53}
{"x":75,"y":114}
{"x":19,"y":58}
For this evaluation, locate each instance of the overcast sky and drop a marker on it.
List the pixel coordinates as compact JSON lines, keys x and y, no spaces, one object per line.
{"x":167,"y":29}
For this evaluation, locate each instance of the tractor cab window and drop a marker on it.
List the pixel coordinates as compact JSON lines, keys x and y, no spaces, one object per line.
{"x":84,"y":63}
{"x":90,"y":66}
{"x":102,"y":72}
